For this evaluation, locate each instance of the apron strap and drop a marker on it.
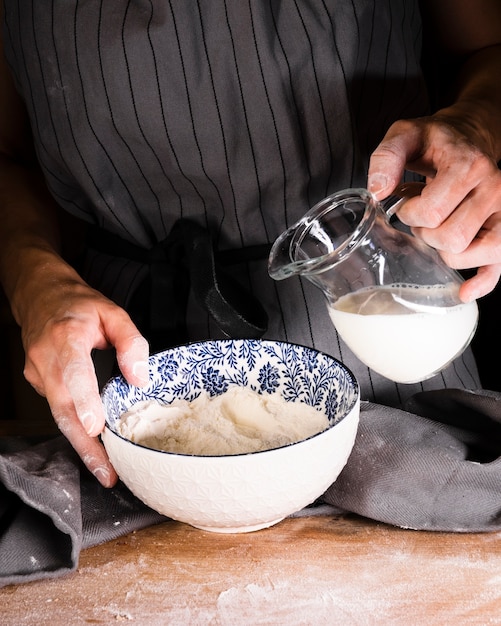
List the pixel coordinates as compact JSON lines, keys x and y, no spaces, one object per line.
{"x":184,"y":261}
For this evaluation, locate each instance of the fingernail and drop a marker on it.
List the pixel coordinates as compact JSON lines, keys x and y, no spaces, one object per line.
{"x":89,"y":422}
{"x":377,"y":182}
{"x":142,"y":371}
{"x":102,"y":474}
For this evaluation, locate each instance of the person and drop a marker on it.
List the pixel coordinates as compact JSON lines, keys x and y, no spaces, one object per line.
{"x":238,"y":117}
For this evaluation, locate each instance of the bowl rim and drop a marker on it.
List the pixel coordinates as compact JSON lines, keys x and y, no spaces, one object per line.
{"x":348,"y":412}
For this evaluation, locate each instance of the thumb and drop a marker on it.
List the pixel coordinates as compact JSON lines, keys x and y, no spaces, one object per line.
{"x":132,"y":349}
{"x":132,"y":357}
{"x":388,"y":161}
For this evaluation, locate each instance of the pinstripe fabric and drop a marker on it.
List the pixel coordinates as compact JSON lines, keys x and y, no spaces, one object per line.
{"x":240,"y":114}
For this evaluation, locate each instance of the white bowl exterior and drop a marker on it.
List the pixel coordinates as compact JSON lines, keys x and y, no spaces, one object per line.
{"x":235,"y":492}
{"x":240,"y":492}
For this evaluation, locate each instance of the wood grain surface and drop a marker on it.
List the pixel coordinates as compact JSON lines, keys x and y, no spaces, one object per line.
{"x":306,"y":570}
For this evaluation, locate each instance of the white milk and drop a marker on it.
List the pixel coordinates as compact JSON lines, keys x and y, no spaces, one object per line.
{"x":397,"y":331}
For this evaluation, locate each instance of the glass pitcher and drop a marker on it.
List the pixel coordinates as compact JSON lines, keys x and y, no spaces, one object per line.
{"x":390,"y":296}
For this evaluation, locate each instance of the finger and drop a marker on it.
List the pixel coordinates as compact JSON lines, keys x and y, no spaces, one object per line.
{"x":484,"y":249}
{"x":458,"y":230}
{"x":482,"y":283}
{"x":90,"y":450}
{"x":77,"y":368}
{"x":483,"y":253}
{"x":79,"y":379}
{"x":464,"y":200}
{"x":68,"y":373}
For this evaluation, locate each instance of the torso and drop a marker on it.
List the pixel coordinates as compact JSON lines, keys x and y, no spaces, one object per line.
{"x":238,"y":115}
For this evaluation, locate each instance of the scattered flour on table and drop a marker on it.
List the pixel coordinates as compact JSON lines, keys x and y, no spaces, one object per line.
{"x":236,"y":422}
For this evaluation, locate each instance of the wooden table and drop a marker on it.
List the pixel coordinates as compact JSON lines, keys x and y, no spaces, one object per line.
{"x":307,"y":570}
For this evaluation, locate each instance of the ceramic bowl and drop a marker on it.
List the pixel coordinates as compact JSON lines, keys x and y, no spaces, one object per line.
{"x":240,"y":492}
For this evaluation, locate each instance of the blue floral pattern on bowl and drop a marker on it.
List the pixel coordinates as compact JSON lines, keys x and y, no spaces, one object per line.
{"x":297,"y":372}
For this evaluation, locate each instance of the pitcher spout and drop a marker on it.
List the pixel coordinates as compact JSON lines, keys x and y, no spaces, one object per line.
{"x":282,"y":262}
{"x":324,"y":236}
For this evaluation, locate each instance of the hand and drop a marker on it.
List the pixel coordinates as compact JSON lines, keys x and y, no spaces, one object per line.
{"x":459,"y":210}
{"x":71,"y":320}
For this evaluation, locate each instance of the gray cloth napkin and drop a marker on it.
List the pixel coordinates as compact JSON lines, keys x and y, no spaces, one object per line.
{"x":435,"y":465}
{"x":51,"y":508}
